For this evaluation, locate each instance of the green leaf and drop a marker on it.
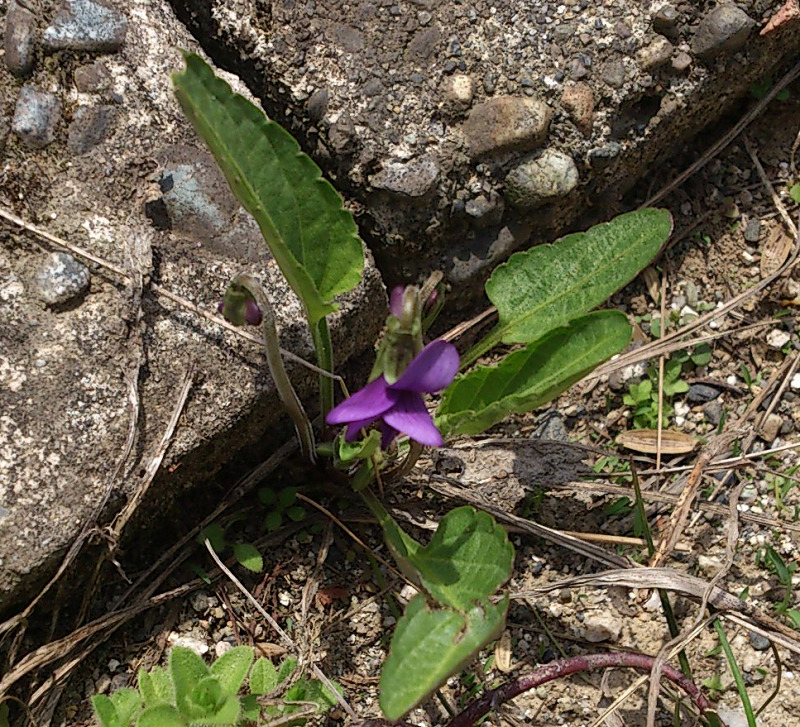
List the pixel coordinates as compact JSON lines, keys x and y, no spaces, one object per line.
{"x":547,"y":286}
{"x":216,"y":536}
{"x":187,"y":669}
{"x":162,"y":715}
{"x":273,"y":520}
{"x":247,"y":555}
{"x":468,"y":558}
{"x":794,"y":615}
{"x":4,"y":715}
{"x":312,"y":237}
{"x":105,"y":710}
{"x":428,"y":646}
{"x":287,"y":668}
{"x":533,"y":376}
{"x":251,"y":709}
{"x":156,"y":686}
{"x":794,"y":192}
{"x":127,"y":702}
{"x":206,"y":698}
{"x":287,"y":496}
{"x":231,"y":668}
{"x":263,"y":676}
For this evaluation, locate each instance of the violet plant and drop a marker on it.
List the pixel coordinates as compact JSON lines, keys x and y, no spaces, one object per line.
{"x":543,"y":298}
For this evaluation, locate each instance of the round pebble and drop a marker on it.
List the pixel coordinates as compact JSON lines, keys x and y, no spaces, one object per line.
{"x":60,"y":279}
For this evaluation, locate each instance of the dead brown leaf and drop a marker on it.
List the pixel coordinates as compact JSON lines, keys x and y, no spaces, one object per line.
{"x":646,"y":441}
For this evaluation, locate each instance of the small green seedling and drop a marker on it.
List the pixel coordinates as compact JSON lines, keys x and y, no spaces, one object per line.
{"x":280,"y":503}
{"x":770,"y":559}
{"x":188,"y":693}
{"x":246,"y":554}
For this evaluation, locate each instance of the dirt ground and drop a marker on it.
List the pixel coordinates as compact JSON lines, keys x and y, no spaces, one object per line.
{"x":319,"y":584}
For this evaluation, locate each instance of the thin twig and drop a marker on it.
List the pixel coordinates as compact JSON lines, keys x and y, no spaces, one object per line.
{"x":287,"y":640}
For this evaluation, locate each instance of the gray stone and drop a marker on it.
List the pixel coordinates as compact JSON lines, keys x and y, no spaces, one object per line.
{"x":712,"y":411}
{"x":758,"y":642}
{"x":60,"y":279}
{"x":20,"y":39}
{"x":723,"y":30}
{"x":415,"y":178}
{"x":681,"y":61}
{"x":89,"y":127}
{"x":86,"y":25}
{"x":752,"y":230}
{"x":317,"y":104}
{"x":552,"y":429}
{"x":507,"y":123}
{"x":614,"y":73}
{"x":486,"y":210}
{"x":541,"y":179}
{"x":36,"y":116}
{"x":665,"y":21}
{"x":699,"y":393}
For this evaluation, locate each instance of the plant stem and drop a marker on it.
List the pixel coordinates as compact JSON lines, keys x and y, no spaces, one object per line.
{"x":321,"y":336}
{"x":486,"y":343}
{"x":286,"y":392}
{"x":563,"y":667}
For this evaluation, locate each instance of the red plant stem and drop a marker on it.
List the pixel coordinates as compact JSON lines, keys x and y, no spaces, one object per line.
{"x":563,"y":667}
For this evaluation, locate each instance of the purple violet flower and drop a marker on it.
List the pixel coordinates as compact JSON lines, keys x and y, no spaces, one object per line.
{"x":400,"y":406}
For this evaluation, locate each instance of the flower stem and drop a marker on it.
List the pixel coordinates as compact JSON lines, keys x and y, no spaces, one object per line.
{"x":286,"y":392}
{"x":563,"y":667}
{"x":321,"y":336}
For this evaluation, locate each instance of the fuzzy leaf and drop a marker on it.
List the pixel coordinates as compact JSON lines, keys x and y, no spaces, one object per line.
{"x":547,"y":286}
{"x":532,"y":376}
{"x":431,"y":644}
{"x":231,"y":668}
{"x":156,"y":686}
{"x":162,"y":715}
{"x":187,"y":669}
{"x":263,"y":676}
{"x":312,"y":237}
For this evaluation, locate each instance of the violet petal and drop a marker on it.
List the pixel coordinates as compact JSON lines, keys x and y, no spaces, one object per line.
{"x":387,"y":435}
{"x":365,"y":405}
{"x":433,"y":369}
{"x":410,"y":417}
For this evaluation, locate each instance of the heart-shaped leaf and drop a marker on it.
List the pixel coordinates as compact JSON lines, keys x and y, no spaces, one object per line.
{"x":547,"y":286}
{"x":532,"y":376}
{"x":468,"y":558}
{"x":312,"y":237}
{"x":429,"y":645}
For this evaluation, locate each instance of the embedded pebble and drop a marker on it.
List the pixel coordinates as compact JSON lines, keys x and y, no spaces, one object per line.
{"x":758,"y":642}
{"x":89,"y":127}
{"x":60,"y":279}
{"x":539,"y":180}
{"x":752,"y":230}
{"x":459,"y":90}
{"x":85,"y":25}
{"x":415,"y":178}
{"x":699,"y":393}
{"x":777,"y":338}
{"x":725,"y":29}
{"x":552,"y":429}
{"x":599,"y":627}
{"x":712,"y":411}
{"x":20,"y":39}
{"x":92,"y":78}
{"x":507,"y":123}
{"x":317,"y":104}
{"x":578,"y":101}
{"x":35,"y":116}
{"x":771,"y":427}
{"x":654,"y":55}
{"x":665,"y":21}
